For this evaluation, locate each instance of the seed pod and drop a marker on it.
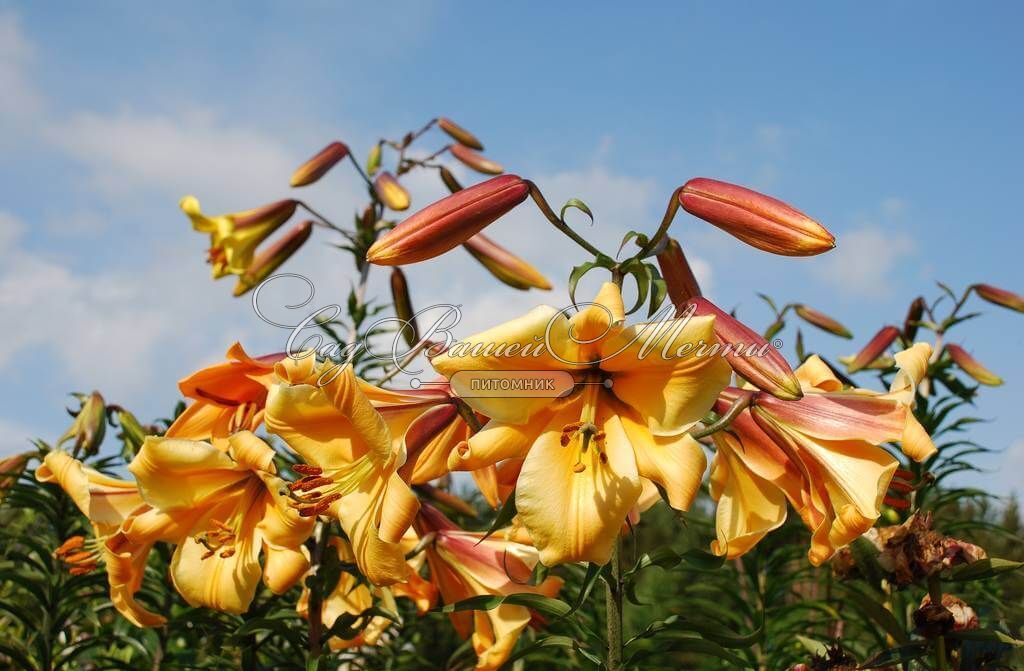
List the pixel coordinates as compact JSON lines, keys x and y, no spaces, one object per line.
{"x":449,"y":222}
{"x":270,"y":259}
{"x":875,"y":348}
{"x":504,"y":265}
{"x":473,"y":160}
{"x":679,"y":278}
{"x":459,"y":134}
{"x":972,"y":366}
{"x":1001,"y":297}
{"x":403,"y":306}
{"x":750,"y":355}
{"x":317,"y":167}
{"x":758,"y":220}
{"x":822,"y":321}
{"x":449,"y":179}
{"x":390,"y":192}
{"x":914,"y":314}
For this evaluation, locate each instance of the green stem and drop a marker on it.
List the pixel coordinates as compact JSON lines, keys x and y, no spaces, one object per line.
{"x":316,"y":597}
{"x":935,"y":594}
{"x":666,"y":221}
{"x":613,"y":609}
{"x":556,"y":221}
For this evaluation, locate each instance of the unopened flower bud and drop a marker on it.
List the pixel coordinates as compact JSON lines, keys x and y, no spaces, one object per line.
{"x":1001,"y":297}
{"x":133,"y":434}
{"x":449,"y":179}
{"x":317,"y":167}
{"x":459,"y":134}
{"x":11,"y":469}
{"x":89,"y":426}
{"x":270,"y":259}
{"x":875,"y":348}
{"x":972,"y":366}
{"x":473,"y":160}
{"x":914,"y":314}
{"x":751,"y":356}
{"x":679,"y":278}
{"x":822,"y":321}
{"x":390,"y":192}
{"x":504,"y":265}
{"x":450,"y":221}
{"x":373,"y":160}
{"x":758,"y":220}
{"x":403,"y":306}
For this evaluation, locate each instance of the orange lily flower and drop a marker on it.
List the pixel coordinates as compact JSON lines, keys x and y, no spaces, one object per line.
{"x":638,"y":389}
{"x":227,"y":397}
{"x":464,"y":564}
{"x":821,"y":453}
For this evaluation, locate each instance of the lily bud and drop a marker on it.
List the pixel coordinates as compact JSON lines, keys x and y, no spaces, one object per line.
{"x":972,"y":366}
{"x":751,"y":356}
{"x":822,"y":321}
{"x":473,"y":160}
{"x":373,"y":160}
{"x":504,"y":265}
{"x":317,"y":167}
{"x":11,"y":469}
{"x":270,"y":259}
{"x":679,"y":278}
{"x":390,"y":192}
{"x":459,"y":134}
{"x":449,"y":180}
{"x":914,"y":314}
{"x":450,"y":221}
{"x":89,"y":426}
{"x":1001,"y":297}
{"x":758,"y":220}
{"x":403,"y":306}
{"x":874,"y":349}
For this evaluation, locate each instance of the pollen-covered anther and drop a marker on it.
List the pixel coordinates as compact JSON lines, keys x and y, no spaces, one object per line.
{"x":307,"y":469}
{"x":80,"y":556}
{"x":579,"y":467}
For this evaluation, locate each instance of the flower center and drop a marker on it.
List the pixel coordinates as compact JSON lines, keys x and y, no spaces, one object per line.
{"x":584,"y":434}
{"x":245,"y":418}
{"x":80,"y":555}
{"x":222,"y":536}
{"x":319,"y":488}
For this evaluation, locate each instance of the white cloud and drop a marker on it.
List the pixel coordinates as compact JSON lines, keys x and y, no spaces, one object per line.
{"x":863,"y":263}
{"x":15,"y":437}
{"x":21,"y":100}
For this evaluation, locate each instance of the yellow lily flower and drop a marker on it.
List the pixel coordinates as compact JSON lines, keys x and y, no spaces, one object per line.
{"x":233,"y":507}
{"x":235,"y":237}
{"x":227,"y":397}
{"x":821,"y":453}
{"x":638,"y":389}
{"x":323,"y":414}
{"x":463,"y":564}
{"x":108,"y":503}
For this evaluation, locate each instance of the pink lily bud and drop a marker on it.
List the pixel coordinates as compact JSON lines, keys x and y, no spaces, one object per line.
{"x":504,"y":265}
{"x":475,"y":161}
{"x":449,"y":180}
{"x":751,"y":356}
{"x":914,"y":314}
{"x":875,"y":348}
{"x":317,"y":167}
{"x":1001,"y":297}
{"x":679,"y":278}
{"x":822,"y":321}
{"x":403,"y":306}
{"x":449,"y":222}
{"x":758,"y":220}
{"x":972,"y":366}
{"x":390,"y":192}
{"x":459,"y":134}
{"x":271,"y":258}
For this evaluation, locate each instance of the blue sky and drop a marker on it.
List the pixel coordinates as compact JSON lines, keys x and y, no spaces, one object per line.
{"x":894,"y":124}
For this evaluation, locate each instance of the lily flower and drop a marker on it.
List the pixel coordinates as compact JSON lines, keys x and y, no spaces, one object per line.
{"x":464,"y":564}
{"x":232,"y":508}
{"x":234,"y":237}
{"x":352,"y":462}
{"x":821,"y":453}
{"x":108,"y":503}
{"x":638,"y":389}
{"x":227,"y":397}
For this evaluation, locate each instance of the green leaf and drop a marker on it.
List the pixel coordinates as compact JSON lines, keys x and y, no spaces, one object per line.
{"x":985,"y":568}
{"x":691,"y":645}
{"x":894,"y":656}
{"x":986,"y":635}
{"x":576,"y":275}
{"x":877,"y":613}
{"x":579,"y":205}
{"x":812,"y":646}
{"x":542,"y":604}
{"x":540,"y":644}
{"x":504,"y":516}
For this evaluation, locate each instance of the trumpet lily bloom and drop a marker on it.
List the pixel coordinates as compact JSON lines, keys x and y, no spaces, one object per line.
{"x":464,"y":564}
{"x":108,"y":503}
{"x":235,"y":237}
{"x":352,"y":462}
{"x":821,"y":453}
{"x":227,"y":397}
{"x":232,"y":508}
{"x":638,"y":389}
